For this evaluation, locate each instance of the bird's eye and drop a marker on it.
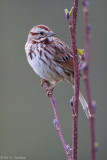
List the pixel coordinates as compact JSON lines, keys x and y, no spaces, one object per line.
{"x":41,"y":33}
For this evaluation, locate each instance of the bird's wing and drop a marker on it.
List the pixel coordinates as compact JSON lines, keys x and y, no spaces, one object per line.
{"x":62,"y":54}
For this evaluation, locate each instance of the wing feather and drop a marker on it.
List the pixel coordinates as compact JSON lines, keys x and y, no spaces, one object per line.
{"x":62,"y":54}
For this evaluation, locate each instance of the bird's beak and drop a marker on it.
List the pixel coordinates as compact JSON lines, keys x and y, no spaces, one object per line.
{"x":50,"y":34}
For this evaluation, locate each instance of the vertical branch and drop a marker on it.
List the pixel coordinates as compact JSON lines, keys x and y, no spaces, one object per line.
{"x":86,"y":78}
{"x":72,"y":26}
{"x":76,"y":82}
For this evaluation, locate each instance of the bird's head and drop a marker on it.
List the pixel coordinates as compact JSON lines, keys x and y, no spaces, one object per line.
{"x":40,"y":33}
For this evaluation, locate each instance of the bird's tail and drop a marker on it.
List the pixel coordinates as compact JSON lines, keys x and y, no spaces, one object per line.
{"x":84,"y":104}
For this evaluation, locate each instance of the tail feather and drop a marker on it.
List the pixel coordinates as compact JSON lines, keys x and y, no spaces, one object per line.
{"x":84,"y":104}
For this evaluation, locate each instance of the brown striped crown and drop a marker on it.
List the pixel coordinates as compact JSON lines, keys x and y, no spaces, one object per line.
{"x":43,"y":27}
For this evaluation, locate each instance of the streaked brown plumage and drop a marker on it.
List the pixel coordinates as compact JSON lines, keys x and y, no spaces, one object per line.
{"x":51,"y":58}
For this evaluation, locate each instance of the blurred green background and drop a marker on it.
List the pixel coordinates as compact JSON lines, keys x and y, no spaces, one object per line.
{"x":26,"y":115}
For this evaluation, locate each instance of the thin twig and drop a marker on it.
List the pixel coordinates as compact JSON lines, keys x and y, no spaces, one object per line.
{"x":87,"y":77}
{"x":57,"y":123}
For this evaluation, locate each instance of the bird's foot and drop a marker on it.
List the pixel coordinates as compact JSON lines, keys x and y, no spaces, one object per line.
{"x":44,"y":83}
{"x":49,"y":90}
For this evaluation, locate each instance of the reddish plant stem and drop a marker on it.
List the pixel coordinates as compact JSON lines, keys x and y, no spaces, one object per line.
{"x":59,"y":128}
{"x":86,"y":79}
{"x":72,"y":26}
{"x":50,"y":95}
{"x":76,"y":82}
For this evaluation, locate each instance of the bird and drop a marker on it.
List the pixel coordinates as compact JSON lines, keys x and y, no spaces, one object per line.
{"x":51,"y":59}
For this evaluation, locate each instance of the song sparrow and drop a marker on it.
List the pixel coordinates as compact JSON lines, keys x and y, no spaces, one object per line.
{"x":51,"y":58}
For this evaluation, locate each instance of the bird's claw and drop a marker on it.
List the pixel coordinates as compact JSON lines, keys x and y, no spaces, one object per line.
{"x":49,"y":91}
{"x":44,"y":83}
